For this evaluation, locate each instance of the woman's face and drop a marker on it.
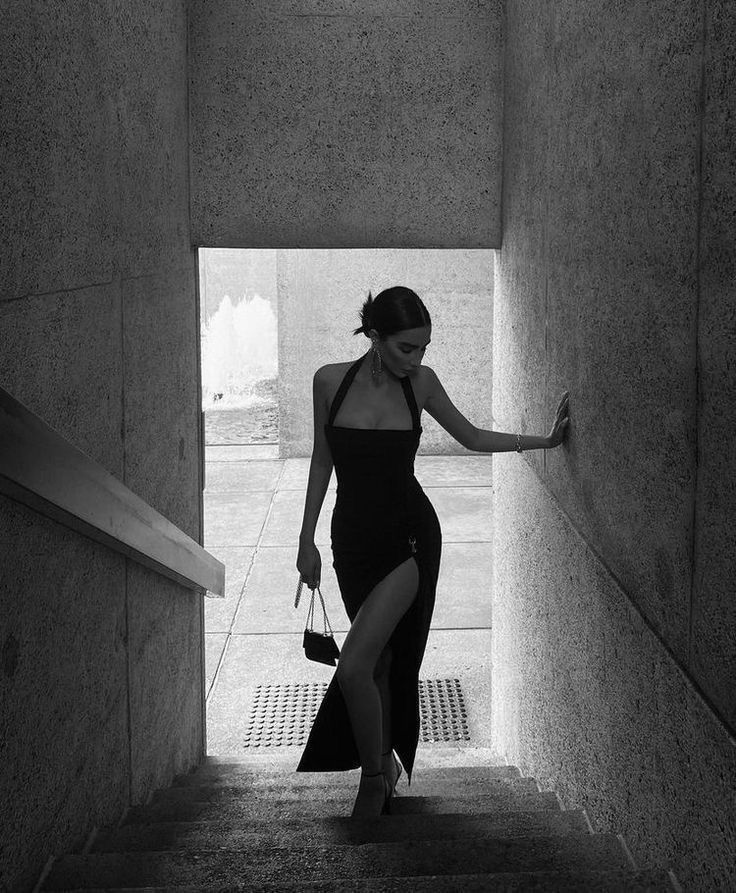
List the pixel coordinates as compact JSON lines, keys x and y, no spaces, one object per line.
{"x":402,"y":352}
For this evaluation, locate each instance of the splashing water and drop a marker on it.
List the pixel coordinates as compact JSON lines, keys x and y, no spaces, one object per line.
{"x":239,"y":349}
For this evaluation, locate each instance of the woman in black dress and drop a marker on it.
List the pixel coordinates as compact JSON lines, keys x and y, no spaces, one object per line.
{"x":386,"y":539}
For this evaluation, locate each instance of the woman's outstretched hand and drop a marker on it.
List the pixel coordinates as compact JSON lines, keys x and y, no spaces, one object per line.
{"x":309,"y":564}
{"x":561,"y":422}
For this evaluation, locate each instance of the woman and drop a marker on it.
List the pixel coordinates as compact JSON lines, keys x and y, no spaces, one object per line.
{"x":386,"y":539}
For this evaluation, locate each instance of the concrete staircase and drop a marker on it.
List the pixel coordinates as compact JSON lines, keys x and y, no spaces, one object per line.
{"x":246,"y":826}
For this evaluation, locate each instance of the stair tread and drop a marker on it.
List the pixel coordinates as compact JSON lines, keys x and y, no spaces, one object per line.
{"x":334,"y":861}
{"x":646,"y":881}
{"x":246,"y":808}
{"x":285,"y":758}
{"x":235,"y":775}
{"x":180,"y":835}
{"x":435,"y":786}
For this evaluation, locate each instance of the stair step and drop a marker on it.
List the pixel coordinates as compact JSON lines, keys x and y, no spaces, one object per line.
{"x":650,"y":881}
{"x":318,"y":832}
{"x":248,"y":808}
{"x":434,"y":786}
{"x":236,"y":774}
{"x":428,"y":756}
{"x":311,"y":864}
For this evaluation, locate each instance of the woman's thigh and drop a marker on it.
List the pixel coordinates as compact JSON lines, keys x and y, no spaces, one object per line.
{"x":379,"y":614}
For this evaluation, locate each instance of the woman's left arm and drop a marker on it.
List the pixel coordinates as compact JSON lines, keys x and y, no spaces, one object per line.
{"x":441,"y":408}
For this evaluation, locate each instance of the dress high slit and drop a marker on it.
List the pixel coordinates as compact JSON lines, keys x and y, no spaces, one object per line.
{"x":381,"y":518}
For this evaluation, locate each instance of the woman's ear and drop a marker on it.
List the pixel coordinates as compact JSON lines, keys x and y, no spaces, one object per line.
{"x":373,"y":335}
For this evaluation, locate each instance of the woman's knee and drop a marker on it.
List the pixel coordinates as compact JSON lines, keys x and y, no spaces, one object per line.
{"x":383,"y":664}
{"x":352,"y":670}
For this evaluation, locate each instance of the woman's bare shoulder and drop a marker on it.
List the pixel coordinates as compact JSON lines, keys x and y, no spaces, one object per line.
{"x":424,"y":381}
{"x":328,"y":377}
{"x":331,"y":371}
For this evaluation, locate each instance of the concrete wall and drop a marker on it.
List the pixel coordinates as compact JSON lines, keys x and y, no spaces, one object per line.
{"x":100,"y":690}
{"x":320,"y":296}
{"x":324,"y":123}
{"x":614,"y":620}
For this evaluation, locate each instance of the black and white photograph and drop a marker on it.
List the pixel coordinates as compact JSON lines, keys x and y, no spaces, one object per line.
{"x":367,"y":446}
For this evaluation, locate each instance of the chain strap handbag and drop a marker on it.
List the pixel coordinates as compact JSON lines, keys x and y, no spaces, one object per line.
{"x":320,"y":647}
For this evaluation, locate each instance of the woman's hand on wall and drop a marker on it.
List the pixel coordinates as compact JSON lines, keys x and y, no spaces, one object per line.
{"x":561,"y":422}
{"x":309,"y":564}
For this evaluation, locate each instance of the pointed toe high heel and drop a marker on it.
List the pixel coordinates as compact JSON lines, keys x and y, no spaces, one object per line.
{"x":373,"y":796}
{"x":392,"y":779}
{"x":392,"y":772}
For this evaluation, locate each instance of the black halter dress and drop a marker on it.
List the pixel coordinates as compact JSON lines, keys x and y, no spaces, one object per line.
{"x":381,"y":518}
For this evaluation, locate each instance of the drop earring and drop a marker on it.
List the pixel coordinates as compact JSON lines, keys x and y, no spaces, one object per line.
{"x":376,"y":363}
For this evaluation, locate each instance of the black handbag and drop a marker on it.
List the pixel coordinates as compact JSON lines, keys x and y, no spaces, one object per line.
{"x":320,"y":647}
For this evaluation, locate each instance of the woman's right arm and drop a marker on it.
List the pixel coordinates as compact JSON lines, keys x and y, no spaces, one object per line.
{"x":309,"y":562}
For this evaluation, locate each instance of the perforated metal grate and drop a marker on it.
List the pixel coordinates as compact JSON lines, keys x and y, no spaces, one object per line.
{"x":442,"y":711}
{"x":282,"y":715}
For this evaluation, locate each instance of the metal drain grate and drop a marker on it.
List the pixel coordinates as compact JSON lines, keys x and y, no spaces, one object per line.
{"x":282,"y":715}
{"x":442,"y":711}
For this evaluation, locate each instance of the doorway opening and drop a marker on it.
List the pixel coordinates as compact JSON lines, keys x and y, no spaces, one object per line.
{"x":269,"y":320}
{"x":239,"y":331}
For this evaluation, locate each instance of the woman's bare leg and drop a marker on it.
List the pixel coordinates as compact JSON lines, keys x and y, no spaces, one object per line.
{"x":382,"y":676}
{"x":369,"y":633}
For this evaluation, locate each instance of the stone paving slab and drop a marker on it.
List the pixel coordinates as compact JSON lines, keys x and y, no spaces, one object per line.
{"x":214,"y":645}
{"x":240,"y":452}
{"x":454,"y":471}
{"x":219,"y":612}
{"x":242,"y":477}
{"x":431,"y":471}
{"x":285,"y":520}
{"x":231,"y":520}
{"x":463,"y":598}
{"x":296,"y":474}
{"x":279,"y":659}
{"x":465,"y":513}
{"x":244,"y":524}
{"x":463,"y":592}
{"x":268,"y":598}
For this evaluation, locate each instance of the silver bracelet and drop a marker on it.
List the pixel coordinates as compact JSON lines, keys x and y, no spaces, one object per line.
{"x":518,"y":443}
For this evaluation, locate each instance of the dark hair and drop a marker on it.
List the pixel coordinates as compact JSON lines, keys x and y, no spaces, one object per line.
{"x":393,"y":310}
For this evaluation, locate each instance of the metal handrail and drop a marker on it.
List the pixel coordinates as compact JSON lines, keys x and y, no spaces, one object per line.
{"x":46,"y":472}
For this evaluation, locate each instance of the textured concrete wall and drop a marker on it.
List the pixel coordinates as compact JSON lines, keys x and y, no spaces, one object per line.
{"x":322,"y":123}
{"x":100,"y":691}
{"x":320,"y":296}
{"x":614,"y":280}
{"x":587,"y":700}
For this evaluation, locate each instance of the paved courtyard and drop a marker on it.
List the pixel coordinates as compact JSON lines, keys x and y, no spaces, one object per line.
{"x":253,"y":512}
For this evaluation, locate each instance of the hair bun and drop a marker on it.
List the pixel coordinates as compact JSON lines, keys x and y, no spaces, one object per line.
{"x":366,"y":317}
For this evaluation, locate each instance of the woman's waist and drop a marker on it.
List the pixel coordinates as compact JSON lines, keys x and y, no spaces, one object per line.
{"x":357,"y":491}
{"x":369,"y":506}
